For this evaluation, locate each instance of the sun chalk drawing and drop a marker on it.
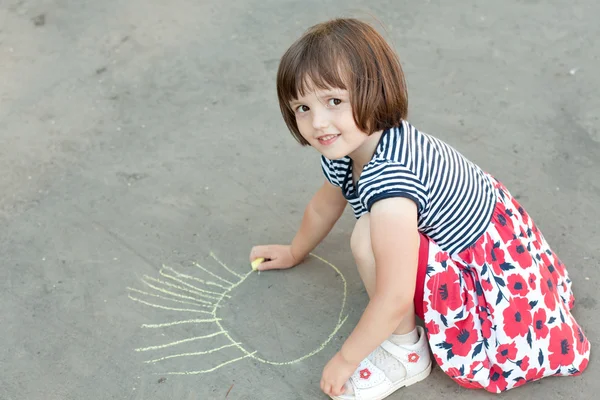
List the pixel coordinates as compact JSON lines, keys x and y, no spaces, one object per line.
{"x":200,"y":299}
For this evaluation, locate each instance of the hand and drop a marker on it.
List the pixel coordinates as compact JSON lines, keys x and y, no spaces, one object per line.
{"x":335,"y":375}
{"x":276,"y":257}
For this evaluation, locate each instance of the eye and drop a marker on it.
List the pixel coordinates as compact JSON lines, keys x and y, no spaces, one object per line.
{"x":302,"y":109}
{"x":334,"y":102}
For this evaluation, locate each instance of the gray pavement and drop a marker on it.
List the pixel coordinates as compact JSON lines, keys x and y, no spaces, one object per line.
{"x":140,"y":143}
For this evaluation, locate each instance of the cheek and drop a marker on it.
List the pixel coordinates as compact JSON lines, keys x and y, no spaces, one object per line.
{"x":302,"y":122}
{"x":304,"y":126}
{"x":347,"y":120}
{"x":349,"y":126}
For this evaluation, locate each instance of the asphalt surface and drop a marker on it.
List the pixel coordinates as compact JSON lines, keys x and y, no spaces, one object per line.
{"x":141,"y":143}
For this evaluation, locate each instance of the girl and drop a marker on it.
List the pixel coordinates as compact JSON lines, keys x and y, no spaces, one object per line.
{"x":435,"y":235}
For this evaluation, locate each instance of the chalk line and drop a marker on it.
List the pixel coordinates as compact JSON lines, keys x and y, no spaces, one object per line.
{"x":162,"y":346}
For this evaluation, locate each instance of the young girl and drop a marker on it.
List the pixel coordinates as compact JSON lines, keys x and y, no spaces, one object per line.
{"x":435,"y":235}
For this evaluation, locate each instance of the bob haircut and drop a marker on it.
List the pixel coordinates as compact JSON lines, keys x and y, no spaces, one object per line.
{"x":345,"y":54}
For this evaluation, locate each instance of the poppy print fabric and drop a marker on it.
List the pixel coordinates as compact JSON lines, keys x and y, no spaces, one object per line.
{"x":498,"y":314}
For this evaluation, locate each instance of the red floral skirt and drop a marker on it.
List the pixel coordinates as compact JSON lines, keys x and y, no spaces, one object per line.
{"x":498,"y":314}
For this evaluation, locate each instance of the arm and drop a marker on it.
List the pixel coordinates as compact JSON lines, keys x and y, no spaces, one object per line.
{"x":395,"y":244}
{"x":320,"y":215}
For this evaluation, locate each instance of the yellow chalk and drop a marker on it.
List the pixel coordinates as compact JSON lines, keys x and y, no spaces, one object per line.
{"x":256,"y":263}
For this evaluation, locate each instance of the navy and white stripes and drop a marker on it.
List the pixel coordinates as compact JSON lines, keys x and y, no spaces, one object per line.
{"x":455,"y":198}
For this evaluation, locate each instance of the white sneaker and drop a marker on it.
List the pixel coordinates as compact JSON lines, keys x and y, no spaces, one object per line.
{"x":371,"y":383}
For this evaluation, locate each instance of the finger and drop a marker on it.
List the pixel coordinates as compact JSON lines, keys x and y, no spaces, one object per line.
{"x":261,"y":257}
{"x":257,"y":252}
{"x":269,"y":264}
{"x":338,"y":392}
{"x":267,"y":252}
{"x":346,"y":387}
{"x":325,"y":388}
{"x":328,"y":389}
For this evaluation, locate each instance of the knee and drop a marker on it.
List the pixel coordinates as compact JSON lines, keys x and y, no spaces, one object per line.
{"x":360,"y":242}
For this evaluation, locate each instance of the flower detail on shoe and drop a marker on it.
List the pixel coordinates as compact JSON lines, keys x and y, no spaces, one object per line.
{"x":365,"y":373}
{"x":413,"y":357}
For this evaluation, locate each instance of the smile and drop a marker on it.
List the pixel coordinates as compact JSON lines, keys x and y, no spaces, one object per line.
{"x":328,"y":139}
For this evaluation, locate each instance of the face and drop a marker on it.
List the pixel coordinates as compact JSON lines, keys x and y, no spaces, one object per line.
{"x":325,"y":120}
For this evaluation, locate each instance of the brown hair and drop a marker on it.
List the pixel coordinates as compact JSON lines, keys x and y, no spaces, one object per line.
{"x":345,"y":54}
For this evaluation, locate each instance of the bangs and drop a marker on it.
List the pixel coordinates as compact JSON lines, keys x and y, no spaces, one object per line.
{"x":318,"y":65}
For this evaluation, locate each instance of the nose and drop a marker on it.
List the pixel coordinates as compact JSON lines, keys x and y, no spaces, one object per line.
{"x":320,"y":119}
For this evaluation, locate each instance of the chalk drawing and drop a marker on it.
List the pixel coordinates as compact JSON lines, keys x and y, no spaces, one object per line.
{"x":194,"y":296}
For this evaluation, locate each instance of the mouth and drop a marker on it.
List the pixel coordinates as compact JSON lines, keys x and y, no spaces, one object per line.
{"x":328,"y":139}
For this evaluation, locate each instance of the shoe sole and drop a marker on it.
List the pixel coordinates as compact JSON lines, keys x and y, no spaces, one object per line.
{"x":403,"y":383}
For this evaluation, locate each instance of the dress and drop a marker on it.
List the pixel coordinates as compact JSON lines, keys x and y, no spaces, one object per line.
{"x":498,"y":314}
{"x":495,"y":299}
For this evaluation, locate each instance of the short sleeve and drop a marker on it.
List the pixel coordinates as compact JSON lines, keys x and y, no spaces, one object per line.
{"x":331,"y":172}
{"x":385,"y":179}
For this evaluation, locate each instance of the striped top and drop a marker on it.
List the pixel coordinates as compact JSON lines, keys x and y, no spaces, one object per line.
{"x":455,"y":198}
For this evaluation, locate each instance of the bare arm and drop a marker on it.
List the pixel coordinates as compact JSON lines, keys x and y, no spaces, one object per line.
{"x":395,"y":243}
{"x":320,"y":215}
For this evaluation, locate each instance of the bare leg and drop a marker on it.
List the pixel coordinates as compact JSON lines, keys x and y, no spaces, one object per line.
{"x":405,"y":333}
{"x":365,"y":260}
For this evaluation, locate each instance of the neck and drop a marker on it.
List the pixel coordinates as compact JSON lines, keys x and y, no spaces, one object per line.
{"x":362,"y":155}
